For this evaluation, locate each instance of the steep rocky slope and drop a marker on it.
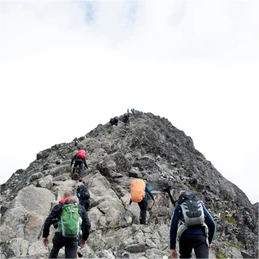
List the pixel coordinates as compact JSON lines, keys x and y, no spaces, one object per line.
{"x":150,"y":148}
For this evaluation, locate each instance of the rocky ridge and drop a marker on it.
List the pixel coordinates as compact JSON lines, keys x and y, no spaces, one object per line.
{"x":150,"y":148}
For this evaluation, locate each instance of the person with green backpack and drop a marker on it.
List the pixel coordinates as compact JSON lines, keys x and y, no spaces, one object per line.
{"x":71,"y":219}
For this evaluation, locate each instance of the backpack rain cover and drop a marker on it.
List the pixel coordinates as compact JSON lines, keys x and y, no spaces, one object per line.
{"x":137,"y":190}
{"x":81,"y":154}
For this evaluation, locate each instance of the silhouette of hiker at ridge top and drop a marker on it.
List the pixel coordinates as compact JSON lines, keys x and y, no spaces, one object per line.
{"x":79,"y":159}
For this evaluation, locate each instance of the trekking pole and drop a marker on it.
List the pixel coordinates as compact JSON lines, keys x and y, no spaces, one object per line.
{"x":168,"y":189}
{"x":40,"y":231}
{"x":153,"y":205}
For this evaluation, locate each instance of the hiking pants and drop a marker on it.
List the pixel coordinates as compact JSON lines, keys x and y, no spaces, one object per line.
{"x":70,"y":246}
{"x":85,"y":203}
{"x":193,"y":241}
{"x":143,"y":210}
{"x":81,"y":168}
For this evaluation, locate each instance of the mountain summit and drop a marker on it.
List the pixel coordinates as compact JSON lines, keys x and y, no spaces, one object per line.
{"x":151,"y":148}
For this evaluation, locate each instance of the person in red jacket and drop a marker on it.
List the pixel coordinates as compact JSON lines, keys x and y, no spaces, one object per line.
{"x":79,"y":159}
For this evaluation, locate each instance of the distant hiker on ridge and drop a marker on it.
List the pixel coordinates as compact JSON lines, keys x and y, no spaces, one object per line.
{"x":125,"y":119}
{"x":192,"y":225}
{"x":114,"y":121}
{"x":79,"y":159}
{"x":68,"y":229}
{"x":139,"y":193}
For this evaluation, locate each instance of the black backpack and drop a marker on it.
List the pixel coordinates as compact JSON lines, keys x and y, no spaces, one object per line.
{"x":83,"y":193}
{"x":193,"y":213}
{"x":192,"y":209}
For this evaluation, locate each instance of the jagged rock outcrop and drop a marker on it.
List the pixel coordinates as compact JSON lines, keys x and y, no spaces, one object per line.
{"x":150,"y":148}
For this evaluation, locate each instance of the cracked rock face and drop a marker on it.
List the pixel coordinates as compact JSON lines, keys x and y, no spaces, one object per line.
{"x":150,"y":147}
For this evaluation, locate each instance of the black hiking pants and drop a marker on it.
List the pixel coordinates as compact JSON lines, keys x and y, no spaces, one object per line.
{"x":85,"y":203}
{"x":188,"y":242}
{"x":70,"y":245}
{"x":143,"y":210}
{"x":81,"y":168}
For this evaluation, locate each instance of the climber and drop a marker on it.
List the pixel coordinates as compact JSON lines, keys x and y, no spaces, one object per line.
{"x":83,"y":195}
{"x":63,"y":235}
{"x":125,"y":118}
{"x":79,"y":159}
{"x":114,"y":121}
{"x":132,"y":110}
{"x":193,"y":232}
{"x":141,"y":193}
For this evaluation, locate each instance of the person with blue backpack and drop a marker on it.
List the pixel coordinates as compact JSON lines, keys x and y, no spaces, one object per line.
{"x":69,"y":218}
{"x":83,"y":195}
{"x":192,"y":225}
{"x":141,"y":193}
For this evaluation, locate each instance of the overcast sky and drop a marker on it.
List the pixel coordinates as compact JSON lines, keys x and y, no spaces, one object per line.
{"x":67,"y":66}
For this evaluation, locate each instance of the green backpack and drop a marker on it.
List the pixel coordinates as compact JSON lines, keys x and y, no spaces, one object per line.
{"x":70,"y":220}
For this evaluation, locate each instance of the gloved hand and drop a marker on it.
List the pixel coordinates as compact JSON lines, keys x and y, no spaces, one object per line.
{"x":82,"y":243}
{"x":173,"y":253}
{"x":45,"y":241}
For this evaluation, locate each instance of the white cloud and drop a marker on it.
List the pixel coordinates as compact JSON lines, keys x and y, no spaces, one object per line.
{"x":68,"y":66}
